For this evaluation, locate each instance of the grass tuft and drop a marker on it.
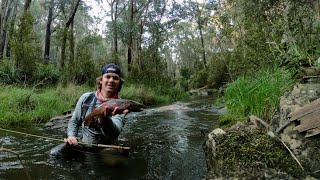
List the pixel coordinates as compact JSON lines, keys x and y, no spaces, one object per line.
{"x":25,"y":106}
{"x":257,"y":95}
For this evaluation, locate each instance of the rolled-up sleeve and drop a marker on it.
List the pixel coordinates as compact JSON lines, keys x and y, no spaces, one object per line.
{"x":118,"y":122}
{"x":76,"y":120}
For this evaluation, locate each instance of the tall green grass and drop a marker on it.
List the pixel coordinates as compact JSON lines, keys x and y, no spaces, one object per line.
{"x":21,"y":106}
{"x":257,"y":95}
{"x":154,"y":95}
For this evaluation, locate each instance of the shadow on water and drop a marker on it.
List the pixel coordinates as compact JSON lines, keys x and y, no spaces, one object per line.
{"x":165,"y":144}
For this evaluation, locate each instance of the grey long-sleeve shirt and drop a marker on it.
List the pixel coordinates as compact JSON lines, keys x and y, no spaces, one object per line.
{"x":94,"y":133}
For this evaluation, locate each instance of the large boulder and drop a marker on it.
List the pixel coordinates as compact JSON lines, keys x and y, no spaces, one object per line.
{"x":279,"y":151}
{"x":247,"y":151}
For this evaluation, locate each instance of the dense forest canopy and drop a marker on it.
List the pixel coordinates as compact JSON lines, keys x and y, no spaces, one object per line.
{"x":193,"y":42}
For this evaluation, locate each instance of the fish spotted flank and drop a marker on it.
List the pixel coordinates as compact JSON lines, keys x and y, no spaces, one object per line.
{"x":122,"y":104}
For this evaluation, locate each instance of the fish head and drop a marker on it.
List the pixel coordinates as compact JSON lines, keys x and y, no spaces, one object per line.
{"x":136,"y":107}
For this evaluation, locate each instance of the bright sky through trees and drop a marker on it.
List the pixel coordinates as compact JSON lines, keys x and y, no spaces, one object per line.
{"x":99,"y":13}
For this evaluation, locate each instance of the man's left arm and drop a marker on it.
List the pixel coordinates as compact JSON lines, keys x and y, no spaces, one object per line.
{"x":115,"y":125}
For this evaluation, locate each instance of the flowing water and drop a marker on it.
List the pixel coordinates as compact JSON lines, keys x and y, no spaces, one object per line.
{"x":164,"y":145}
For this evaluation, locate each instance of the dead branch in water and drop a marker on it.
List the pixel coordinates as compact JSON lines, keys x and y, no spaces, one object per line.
{"x":15,"y":153}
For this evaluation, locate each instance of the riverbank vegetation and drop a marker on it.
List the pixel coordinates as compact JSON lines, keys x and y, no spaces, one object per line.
{"x":255,"y":95}
{"x":165,"y":48}
{"x":23,"y":106}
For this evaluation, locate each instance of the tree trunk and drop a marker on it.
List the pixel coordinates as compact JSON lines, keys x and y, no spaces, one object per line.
{"x":203,"y":48}
{"x":71,"y":44}
{"x":65,"y":34}
{"x":46,"y":54}
{"x":130,"y":37}
{"x":139,"y":37}
{"x":73,"y":13}
{"x":10,"y":30}
{"x":3,"y":21}
{"x":27,"y":4}
{"x":114,"y":20}
{"x":139,"y":48}
{"x":63,"y":47}
{"x":115,"y":33}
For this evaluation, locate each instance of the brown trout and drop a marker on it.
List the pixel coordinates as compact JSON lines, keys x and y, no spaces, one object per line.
{"x":122,"y":104}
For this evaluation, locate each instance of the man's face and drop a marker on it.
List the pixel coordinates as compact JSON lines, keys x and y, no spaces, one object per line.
{"x":110,"y":82}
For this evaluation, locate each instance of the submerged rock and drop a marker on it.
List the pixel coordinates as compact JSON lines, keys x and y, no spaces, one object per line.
{"x":202,"y":91}
{"x":59,"y":122}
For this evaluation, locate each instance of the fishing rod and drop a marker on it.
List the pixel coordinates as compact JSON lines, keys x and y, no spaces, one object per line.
{"x":61,"y":140}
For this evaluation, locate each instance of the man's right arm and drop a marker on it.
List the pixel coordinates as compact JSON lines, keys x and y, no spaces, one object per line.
{"x":75,"y":121}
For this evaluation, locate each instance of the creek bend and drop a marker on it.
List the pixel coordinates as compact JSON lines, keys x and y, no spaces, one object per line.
{"x":165,"y":145}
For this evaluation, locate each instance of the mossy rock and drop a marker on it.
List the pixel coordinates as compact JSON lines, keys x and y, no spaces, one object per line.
{"x":252,"y":154}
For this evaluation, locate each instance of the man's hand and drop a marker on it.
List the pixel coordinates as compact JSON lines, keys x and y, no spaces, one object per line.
{"x":71,"y":140}
{"x":110,"y":112}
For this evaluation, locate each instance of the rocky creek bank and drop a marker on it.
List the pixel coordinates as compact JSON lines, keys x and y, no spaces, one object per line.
{"x":284,"y":149}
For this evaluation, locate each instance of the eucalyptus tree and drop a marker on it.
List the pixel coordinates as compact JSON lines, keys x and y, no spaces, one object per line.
{"x":200,"y":13}
{"x":25,"y":44}
{"x":3,"y":19}
{"x":10,"y":29}
{"x":185,"y":44}
{"x":136,"y":20}
{"x":126,"y":26}
{"x":162,"y":19}
{"x":68,"y":28}
{"x":268,"y":33}
{"x":116,"y":9}
{"x":79,"y":30}
{"x":128,"y":20}
{"x":6,"y":8}
{"x":47,"y":44}
{"x":154,"y":23}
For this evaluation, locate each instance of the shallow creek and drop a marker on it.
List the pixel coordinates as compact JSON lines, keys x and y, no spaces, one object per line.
{"x":165,"y":144}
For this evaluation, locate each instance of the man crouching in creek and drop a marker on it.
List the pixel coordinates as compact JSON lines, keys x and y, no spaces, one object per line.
{"x":95,"y":132}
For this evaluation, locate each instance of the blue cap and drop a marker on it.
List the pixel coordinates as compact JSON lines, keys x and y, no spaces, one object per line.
{"x":116,"y":70}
